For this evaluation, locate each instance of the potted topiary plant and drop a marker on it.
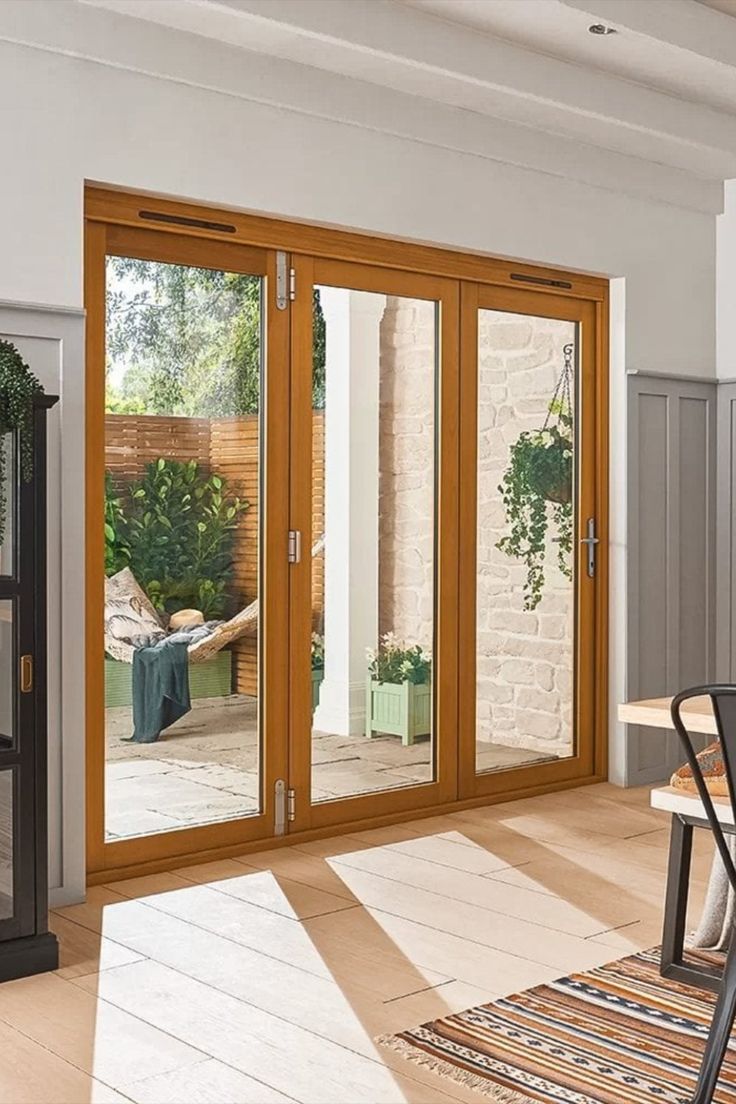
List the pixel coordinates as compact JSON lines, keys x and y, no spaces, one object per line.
{"x":399,"y":690}
{"x":318,"y":667}
{"x":537,"y":491}
{"x":18,"y":389}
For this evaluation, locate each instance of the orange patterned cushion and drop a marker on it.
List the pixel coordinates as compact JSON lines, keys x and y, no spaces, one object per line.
{"x":711,"y":763}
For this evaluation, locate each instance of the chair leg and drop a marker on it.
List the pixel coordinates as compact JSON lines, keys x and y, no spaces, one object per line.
{"x":678,"y":884}
{"x":720,"y":1032}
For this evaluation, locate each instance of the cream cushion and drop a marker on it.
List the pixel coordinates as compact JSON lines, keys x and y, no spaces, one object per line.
{"x":128,"y":613}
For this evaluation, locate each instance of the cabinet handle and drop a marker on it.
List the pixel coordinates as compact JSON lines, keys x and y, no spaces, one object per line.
{"x":26,"y":674}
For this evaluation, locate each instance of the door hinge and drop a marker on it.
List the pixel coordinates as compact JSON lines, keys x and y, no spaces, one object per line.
{"x":590,"y":541}
{"x":282,"y":290}
{"x":292,"y":284}
{"x":279,"y":816}
{"x":295,"y":546}
{"x":291,"y":804}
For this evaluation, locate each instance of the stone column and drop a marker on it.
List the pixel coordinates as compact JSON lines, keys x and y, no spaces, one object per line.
{"x":352,"y":320}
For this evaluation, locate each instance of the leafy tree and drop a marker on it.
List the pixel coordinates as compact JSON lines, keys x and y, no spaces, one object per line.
{"x":188,"y":340}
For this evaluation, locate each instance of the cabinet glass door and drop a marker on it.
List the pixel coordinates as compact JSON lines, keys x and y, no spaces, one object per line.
{"x":6,"y":844}
{"x":8,"y":503}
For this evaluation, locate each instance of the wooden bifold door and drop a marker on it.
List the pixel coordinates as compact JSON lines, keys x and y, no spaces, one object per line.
{"x":367,"y":482}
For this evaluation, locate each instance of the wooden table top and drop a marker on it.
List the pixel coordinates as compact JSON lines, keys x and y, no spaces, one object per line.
{"x":698,"y":716}
{"x":670,"y":800}
{"x":655,"y":713}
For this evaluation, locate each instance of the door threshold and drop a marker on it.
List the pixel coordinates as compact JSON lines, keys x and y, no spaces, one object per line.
{"x":175,"y":862}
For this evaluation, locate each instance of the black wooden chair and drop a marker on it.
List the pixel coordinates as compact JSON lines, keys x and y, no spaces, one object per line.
{"x":723,"y":698}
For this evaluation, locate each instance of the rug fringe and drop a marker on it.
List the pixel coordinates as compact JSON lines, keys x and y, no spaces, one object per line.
{"x":497,"y":1093}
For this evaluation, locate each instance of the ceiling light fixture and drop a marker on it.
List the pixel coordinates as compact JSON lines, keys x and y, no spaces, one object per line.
{"x":601,"y":29}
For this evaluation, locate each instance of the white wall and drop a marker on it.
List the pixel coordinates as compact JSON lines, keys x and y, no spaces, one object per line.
{"x":64,"y":120}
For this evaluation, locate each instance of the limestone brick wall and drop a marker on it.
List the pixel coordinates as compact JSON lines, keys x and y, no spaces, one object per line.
{"x":524,"y":658}
{"x":406,"y":467}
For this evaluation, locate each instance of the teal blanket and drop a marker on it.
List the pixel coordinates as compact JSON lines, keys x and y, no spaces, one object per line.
{"x":160,"y":689}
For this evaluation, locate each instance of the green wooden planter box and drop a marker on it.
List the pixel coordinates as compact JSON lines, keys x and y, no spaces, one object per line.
{"x":399,"y":709}
{"x":318,"y":675}
{"x":211,"y":679}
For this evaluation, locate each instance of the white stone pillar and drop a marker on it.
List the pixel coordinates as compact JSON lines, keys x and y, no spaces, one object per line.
{"x":352,"y":323}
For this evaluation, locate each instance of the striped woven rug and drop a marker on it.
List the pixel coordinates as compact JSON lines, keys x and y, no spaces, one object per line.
{"x":620,"y":1034}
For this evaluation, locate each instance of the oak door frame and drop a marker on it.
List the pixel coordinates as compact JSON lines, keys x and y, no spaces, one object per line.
{"x":589,"y":763}
{"x":108,"y":207}
{"x":146,"y":243}
{"x":311,"y":272}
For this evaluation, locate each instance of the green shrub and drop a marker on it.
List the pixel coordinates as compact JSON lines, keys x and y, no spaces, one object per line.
{"x":175,"y":529}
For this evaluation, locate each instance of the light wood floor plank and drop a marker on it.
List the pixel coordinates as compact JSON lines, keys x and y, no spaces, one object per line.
{"x":89,"y":1033}
{"x":31,"y":1074}
{"x":266,"y":978}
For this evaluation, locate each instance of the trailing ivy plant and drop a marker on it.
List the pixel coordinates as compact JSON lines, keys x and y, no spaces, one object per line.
{"x":18,"y":389}
{"x":537,"y":494}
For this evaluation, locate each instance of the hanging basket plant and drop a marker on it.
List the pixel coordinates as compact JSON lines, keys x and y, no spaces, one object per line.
{"x":537,"y":490}
{"x":18,"y":389}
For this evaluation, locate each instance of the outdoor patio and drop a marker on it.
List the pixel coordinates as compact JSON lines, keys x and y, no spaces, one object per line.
{"x":205,"y":767}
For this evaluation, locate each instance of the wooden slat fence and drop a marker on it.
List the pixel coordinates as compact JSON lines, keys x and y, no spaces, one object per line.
{"x":228,"y":447}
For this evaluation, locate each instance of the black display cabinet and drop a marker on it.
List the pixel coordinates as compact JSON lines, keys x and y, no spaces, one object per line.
{"x":26,"y":945}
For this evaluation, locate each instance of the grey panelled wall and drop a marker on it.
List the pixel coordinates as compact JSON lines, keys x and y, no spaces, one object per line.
{"x":725,"y":667}
{"x":672,"y":562}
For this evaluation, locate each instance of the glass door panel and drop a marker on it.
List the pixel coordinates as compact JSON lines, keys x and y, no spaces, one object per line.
{"x":525,"y":536}
{"x":371,"y":729}
{"x":530,"y":686}
{"x":182,"y":539}
{"x":373,"y":556}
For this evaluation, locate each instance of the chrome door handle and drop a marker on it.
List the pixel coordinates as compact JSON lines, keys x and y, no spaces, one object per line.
{"x":590,"y":541}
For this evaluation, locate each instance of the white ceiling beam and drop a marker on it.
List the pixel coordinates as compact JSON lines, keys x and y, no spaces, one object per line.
{"x":406,"y":49}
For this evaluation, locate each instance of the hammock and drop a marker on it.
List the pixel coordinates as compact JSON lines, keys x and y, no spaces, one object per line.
{"x":126,"y":604}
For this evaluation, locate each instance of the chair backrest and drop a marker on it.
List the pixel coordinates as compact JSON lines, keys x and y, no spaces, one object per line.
{"x":723,"y":700}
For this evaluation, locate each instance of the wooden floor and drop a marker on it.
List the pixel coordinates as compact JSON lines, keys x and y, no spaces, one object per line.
{"x":268,"y":979}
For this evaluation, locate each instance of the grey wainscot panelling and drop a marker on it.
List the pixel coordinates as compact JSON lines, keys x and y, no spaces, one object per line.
{"x":725,"y":667}
{"x":51,"y":342}
{"x":671,"y":630}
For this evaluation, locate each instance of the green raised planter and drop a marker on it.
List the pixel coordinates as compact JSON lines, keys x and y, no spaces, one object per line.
{"x":211,"y":679}
{"x":318,"y":675}
{"x":399,"y":709}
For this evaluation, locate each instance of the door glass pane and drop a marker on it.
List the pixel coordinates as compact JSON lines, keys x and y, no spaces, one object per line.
{"x":182,"y":460}
{"x":373,"y":556}
{"x":525,"y":588}
{"x":7,"y":503}
{"x":7,"y":673}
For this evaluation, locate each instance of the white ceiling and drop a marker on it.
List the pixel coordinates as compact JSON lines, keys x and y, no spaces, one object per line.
{"x":726,"y":6}
{"x":640,"y":50}
{"x":651,"y":108}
